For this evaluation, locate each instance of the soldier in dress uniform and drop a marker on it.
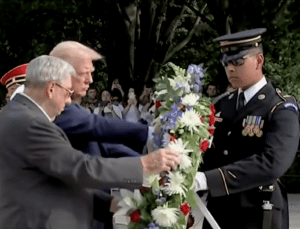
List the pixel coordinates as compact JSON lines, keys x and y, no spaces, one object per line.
{"x":13,"y":79}
{"x":255,"y":142}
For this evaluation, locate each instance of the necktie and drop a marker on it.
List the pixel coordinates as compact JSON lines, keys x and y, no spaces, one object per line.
{"x":241,"y":100}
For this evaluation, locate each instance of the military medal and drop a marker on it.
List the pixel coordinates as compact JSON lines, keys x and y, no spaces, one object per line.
{"x":252,"y":126}
{"x":246,"y":124}
{"x":259,"y":124}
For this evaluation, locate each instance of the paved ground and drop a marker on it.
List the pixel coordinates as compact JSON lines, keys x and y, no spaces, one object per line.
{"x":294,"y":208}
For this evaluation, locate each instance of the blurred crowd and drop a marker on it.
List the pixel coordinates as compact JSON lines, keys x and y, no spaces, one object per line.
{"x":125,"y":104}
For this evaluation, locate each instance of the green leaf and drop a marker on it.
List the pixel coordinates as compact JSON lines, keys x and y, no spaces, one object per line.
{"x":191,"y":198}
{"x":182,"y":219}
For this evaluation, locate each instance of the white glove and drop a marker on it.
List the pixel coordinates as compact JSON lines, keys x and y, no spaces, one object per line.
{"x":200,"y":182}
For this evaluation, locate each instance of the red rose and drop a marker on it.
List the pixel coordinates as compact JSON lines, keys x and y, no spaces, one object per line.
{"x":135,"y":216}
{"x":211,"y":131}
{"x":212,"y":109}
{"x":212,"y":120}
{"x":157,"y":104}
{"x":185,"y":208}
{"x":172,"y":138}
{"x":204,"y":145}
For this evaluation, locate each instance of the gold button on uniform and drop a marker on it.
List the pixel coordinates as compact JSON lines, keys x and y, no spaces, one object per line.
{"x":225,"y":152}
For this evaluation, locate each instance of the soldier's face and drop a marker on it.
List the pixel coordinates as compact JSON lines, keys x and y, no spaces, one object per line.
{"x":245,"y":75}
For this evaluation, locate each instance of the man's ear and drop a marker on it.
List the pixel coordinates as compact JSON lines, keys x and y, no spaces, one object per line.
{"x":50,"y":89}
{"x":260,"y":60}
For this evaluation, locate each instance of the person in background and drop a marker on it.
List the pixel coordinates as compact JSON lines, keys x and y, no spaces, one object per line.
{"x":255,"y":142}
{"x":117,"y":100}
{"x":106,"y":107}
{"x":212,"y":90}
{"x":148,"y":111}
{"x":13,"y":79}
{"x":131,"y":112}
{"x":229,"y":89}
{"x":91,"y":101}
{"x":145,"y":97}
{"x":116,"y":85}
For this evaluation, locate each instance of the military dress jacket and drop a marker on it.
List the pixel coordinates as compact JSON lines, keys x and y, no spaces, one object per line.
{"x":45,"y":182}
{"x":252,"y":147}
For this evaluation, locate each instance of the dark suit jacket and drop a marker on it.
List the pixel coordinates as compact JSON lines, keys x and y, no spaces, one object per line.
{"x":96,"y":135}
{"x":236,"y":165}
{"x":45,"y":182}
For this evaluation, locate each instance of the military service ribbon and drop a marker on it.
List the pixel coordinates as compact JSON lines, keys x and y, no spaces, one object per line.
{"x":252,"y":126}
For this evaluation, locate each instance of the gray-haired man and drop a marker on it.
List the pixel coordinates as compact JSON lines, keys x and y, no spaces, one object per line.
{"x":44,"y":181}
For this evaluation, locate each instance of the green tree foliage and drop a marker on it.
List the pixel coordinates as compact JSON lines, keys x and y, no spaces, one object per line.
{"x":138,"y":36}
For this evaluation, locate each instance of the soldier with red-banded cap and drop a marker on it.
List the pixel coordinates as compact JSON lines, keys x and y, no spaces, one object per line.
{"x":255,"y":142}
{"x":13,"y":79}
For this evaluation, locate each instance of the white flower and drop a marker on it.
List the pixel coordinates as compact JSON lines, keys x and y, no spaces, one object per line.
{"x":148,"y":181}
{"x":191,"y":120}
{"x":190,"y":99}
{"x":181,"y":83}
{"x":130,"y":200}
{"x":164,"y":216}
{"x":178,"y":145}
{"x":175,"y":186}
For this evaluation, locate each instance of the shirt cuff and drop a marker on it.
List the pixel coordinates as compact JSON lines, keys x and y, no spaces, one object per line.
{"x":200,"y":182}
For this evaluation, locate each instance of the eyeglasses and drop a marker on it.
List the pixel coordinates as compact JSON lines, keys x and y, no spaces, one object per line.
{"x":70,"y":92}
{"x":237,"y":62}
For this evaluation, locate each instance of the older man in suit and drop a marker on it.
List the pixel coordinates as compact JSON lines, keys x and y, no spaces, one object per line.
{"x":45,"y":182}
{"x":92,"y":133}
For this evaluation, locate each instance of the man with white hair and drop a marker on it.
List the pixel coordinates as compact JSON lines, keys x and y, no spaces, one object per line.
{"x":45,"y":182}
{"x":90,"y":133}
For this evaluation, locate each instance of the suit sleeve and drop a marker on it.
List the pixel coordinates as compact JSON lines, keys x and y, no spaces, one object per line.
{"x":48,"y":151}
{"x":75,"y":121}
{"x":279,"y":150}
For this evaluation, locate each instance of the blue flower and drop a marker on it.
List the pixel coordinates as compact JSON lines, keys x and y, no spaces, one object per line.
{"x":197,"y":79}
{"x":161,"y":200}
{"x":174,"y":107}
{"x":196,"y":88}
{"x":152,"y":226}
{"x":191,"y":68}
{"x":199,"y":71}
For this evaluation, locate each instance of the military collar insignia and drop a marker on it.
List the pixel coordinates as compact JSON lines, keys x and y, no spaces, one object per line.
{"x":252,"y":126}
{"x":230,"y":96}
{"x":261,"y":96}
